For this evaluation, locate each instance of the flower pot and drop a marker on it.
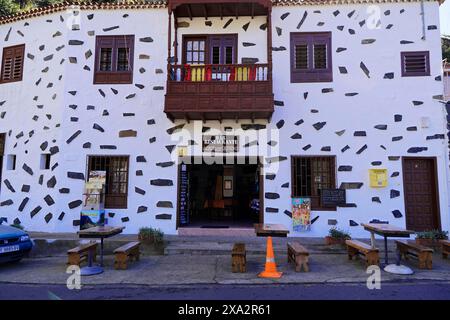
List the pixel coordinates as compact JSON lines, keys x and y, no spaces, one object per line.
{"x":333,"y":241}
{"x":425,"y":242}
{"x":146,"y":240}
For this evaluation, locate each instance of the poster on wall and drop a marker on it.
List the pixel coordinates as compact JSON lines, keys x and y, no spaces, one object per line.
{"x":301,"y":214}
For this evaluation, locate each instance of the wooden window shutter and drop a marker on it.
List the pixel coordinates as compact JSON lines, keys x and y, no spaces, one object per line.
{"x":12,"y":63}
{"x":2,"y":144}
{"x":415,"y":63}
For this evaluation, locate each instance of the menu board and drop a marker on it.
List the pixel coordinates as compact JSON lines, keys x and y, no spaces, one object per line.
{"x":184,"y":196}
{"x":333,"y":197}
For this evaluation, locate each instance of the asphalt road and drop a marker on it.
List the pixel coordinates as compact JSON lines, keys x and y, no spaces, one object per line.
{"x":388,"y":291}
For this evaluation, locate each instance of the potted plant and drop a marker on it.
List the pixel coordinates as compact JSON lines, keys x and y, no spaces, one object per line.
{"x":158,"y":236}
{"x":431,"y":238}
{"x":145,"y":235}
{"x":336,"y":236}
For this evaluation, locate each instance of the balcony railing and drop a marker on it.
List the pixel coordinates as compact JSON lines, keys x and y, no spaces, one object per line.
{"x":219,"y":91}
{"x":219,"y":72}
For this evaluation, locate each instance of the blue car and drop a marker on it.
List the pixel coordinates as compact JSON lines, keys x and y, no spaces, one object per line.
{"x":14,"y":244}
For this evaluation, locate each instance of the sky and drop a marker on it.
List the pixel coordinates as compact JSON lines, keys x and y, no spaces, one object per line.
{"x":445,"y":17}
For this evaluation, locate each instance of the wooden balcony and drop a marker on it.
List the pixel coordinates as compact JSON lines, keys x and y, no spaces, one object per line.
{"x":217,"y":92}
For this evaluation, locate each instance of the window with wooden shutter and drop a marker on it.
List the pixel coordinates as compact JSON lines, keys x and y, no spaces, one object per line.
{"x":114,"y":59}
{"x":311,"y":57}
{"x":12,"y":64}
{"x":415,"y":63}
{"x":116,"y":188}
{"x":311,"y":174}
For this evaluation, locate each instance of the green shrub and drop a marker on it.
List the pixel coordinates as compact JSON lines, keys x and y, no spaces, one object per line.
{"x":151,"y":234}
{"x":8,"y":7}
{"x":339,"y":234}
{"x":433,"y":234}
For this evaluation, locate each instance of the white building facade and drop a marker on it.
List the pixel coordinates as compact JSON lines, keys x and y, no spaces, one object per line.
{"x":354,"y":87}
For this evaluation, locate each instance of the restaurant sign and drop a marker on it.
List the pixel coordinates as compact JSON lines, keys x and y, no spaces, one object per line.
{"x":220,"y":143}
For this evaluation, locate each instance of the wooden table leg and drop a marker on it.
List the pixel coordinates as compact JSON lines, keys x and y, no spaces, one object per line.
{"x":372,"y":240}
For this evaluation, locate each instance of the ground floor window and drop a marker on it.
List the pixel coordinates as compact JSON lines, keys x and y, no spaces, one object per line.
{"x":116,"y":189}
{"x":2,"y":151}
{"x":312,"y":174}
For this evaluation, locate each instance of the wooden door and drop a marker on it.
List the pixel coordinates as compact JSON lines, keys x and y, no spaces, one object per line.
{"x":421,"y":194}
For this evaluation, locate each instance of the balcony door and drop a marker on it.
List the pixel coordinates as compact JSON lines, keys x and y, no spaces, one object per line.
{"x":210,"y":49}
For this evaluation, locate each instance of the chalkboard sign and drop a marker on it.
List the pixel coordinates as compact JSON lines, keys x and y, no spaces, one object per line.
{"x":184,"y":196}
{"x":332,"y":197}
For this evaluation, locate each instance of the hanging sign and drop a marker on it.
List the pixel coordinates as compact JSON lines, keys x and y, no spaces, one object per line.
{"x":220,"y":143}
{"x":301,"y":214}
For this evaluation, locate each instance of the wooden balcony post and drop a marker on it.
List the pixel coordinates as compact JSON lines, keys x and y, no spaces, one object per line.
{"x":269,"y":42}
{"x":169,"y":43}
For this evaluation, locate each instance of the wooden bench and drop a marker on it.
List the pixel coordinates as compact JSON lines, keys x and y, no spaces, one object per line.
{"x":299,"y":255}
{"x":125,"y":254}
{"x":355,"y":247}
{"x":238,"y":258}
{"x":423,"y":254}
{"x":80,"y":254}
{"x":445,"y":248}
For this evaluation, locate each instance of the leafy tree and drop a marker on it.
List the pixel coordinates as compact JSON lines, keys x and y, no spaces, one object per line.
{"x":8,"y":7}
{"x":446,"y":48}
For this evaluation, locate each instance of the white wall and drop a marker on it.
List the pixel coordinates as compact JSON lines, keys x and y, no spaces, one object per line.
{"x":377,"y":102}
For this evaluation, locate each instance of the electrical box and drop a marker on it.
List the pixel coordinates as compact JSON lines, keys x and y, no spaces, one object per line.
{"x":378,"y":178}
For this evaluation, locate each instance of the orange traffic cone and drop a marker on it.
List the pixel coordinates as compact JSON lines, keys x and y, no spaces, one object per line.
{"x":270,"y":271}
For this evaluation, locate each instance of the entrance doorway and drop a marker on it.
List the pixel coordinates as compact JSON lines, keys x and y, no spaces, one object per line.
{"x":220,"y":195}
{"x":421,"y":193}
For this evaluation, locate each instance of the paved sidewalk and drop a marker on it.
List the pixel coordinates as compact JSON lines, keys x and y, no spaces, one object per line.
{"x":187,"y":269}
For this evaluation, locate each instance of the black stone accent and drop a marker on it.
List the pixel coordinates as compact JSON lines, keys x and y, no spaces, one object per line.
{"x":161,"y":182}
{"x":163,"y":216}
{"x":305,"y":14}
{"x":299,"y":122}
{"x":332,"y":222}
{"x":296,"y":136}
{"x":98,"y":127}
{"x":6,"y":203}
{"x":345,"y":148}
{"x":139,"y":191}
{"x":164,"y":204}
{"x":141,"y":159}
{"x":314,"y":219}
{"x":319,"y":125}
{"x":76,"y":223}
{"x":227,"y":23}
{"x":165,"y":164}
{"x":436,"y":136}
{"x":413,"y":128}
{"x":8,"y":185}
{"x":327,"y":90}
{"x":255,"y":126}
{"x":272,"y":210}
{"x":417,"y":103}
{"x":25,"y":188}
{"x":285,"y":185}
{"x":139,"y":173}
{"x":284,"y":15}
{"x":108,"y":147}
{"x":146,"y":39}
{"x":359,"y":134}
{"x":35,"y":211}
{"x":61,"y":216}
{"x":54,"y":150}
{"x":64,"y":190}
{"x":110,"y":28}
{"x":276,"y":159}
{"x":353,"y":223}
{"x":48,"y":217}
{"x":398,"y":138}
{"x":364,"y":69}
{"x":393,"y":158}
{"x":75,"y":175}
{"x":51,"y":182}
{"x":75,"y":42}
{"x":326,"y":148}
{"x":87,"y":145}
{"x":76,"y":134}
{"x":376,"y":199}
{"x":280,"y":124}
{"x":175,"y":129}
{"x":397,"y":214}
{"x":381,"y":127}
{"x":74,"y":204}
{"x":345,"y":168}
{"x":23,"y":204}
{"x":306,"y":147}
{"x":27,"y":169}
{"x":395,"y":174}
{"x":288,"y":213}
{"x":376,"y":163}
{"x":389,"y":75}
{"x":170,"y":148}
{"x":351,"y":185}
{"x":142,"y":209}
{"x":270,"y":176}
{"x":417,"y":149}
{"x":395,"y":194}
{"x":271,"y":195}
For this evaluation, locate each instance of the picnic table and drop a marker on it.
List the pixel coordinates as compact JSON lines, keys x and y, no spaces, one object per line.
{"x":386,"y":230}
{"x":270,"y":230}
{"x":99,"y":232}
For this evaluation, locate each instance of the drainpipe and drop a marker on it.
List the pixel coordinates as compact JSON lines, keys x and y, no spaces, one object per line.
{"x":422,"y":13}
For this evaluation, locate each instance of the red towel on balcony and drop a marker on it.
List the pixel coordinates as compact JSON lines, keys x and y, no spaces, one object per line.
{"x":232,"y":74}
{"x":187,"y":72}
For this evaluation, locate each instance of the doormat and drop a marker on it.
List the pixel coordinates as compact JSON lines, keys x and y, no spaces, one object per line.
{"x":215,"y":227}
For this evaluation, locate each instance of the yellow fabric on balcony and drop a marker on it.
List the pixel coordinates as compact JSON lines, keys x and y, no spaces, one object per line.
{"x":241,"y":74}
{"x":198,"y":73}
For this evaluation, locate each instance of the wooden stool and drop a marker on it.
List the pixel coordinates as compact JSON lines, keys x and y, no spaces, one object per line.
{"x":238,"y":258}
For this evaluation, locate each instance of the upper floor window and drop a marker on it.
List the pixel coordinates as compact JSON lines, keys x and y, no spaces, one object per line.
{"x":12,"y":63}
{"x":114,"y":59}
{"x":211,"y":49}
{"x":415,"y":63}
{"x":311,"y":57}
